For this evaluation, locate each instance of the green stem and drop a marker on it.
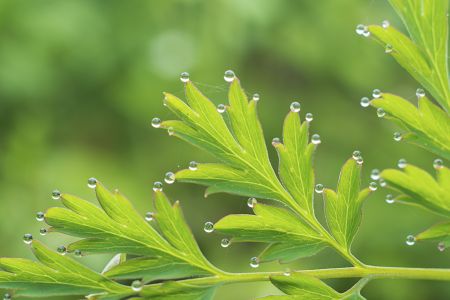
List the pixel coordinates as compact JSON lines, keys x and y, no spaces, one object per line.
{"x":372,"y":272}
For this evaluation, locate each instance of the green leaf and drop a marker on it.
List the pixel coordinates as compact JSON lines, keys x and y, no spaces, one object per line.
{"x":290,"y":251}
{"x":427,"y":126}
{"x":304,"y":287}
{"x":273,"y":224}
{"x":54,"y":274}
{"x":152,"y":268}
{"x":419,"y":188}
{"x":343,"y":209}
{"x":176,"y":290}
{"x":424,"y":56}
{"x":245,"y":169}
{"x":439,"y":232}
{"x":295,"y":167}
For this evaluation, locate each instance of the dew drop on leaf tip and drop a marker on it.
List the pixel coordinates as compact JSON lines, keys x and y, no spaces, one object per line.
{"x":221,"y":108}
{"x":157,"y":186}
{"x":56,"y":195}
{"x":365,"y":102}
{"x":295,"y":107}
{"x":420,"y":93}
{"x":169,"y":178}
{"x":255,"y":97}
{"x":40,"y":216}
{"x":251,"y":202}
{"x":229,"y":76}
{"x":389,"y":199}
{"x":225,"y":243}
{"x":319,"y":188}
{"x":184,"y":77}
{"x":397,"y":136}
{"x":156,"y":122}
{"x":402,"y":163}
{"x":209,"y":227}
{"x":193,"y":166}
{"x":92,"y":183}
{"x":438,"y":164}
{"x":410,"y":240}
{"x":309,"y":117}
{"x":149,"y":216}
{"x":376,"y":93}
{"x":315,"y":139}
{"x":28,"y":238}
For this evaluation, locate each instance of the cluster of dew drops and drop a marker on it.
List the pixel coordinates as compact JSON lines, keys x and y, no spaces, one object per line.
{"x":136,"y":285}
{"x":169,"y":178}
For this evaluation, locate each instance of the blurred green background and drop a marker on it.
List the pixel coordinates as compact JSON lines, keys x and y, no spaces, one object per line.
{"x":80,"y":81}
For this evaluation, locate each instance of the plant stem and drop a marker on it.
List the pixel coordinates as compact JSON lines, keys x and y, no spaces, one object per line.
{"x":373,"y":272}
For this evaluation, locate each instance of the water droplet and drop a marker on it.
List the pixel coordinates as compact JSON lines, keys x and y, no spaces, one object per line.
{"x":7,"y":296}
{"x":441,"y":246}
{"x":157,"y":186}
{"x":438,"y":164}
{"x":373,"y":186}
{"x":397,"y":136}
{"x":382,"y":182}
{"x":380,"y":112}
{"x":375,"y":174}
{"x":169,"y":177}
{"x":184,"y":77}
{"x":360,"y":29}
{"x":309,"y":117}
{"x":359,"y":160}
{"x":376,"y":93}
{"x":137,"y":285}
{"x":61,"y":250}
{"x":56,"y":195}
{"x":365,"y":102}
{"x":40,"y":216}
{"x":221,"y":108}
{"x":149,"y":216}
{"x":156,"y":122}
{"x":254,"y":262}
{"x":287,"y":272}
{"x":78,"y":253}
{"x":389,"y":199}
{"x":92,"y":183}
{"x":229,"y":76}
{"x":385,"y":24}
{"x":388,"y":48}
{"x":170,"y":130}
{"x":251,"y":202}
{"x":225,"y":243}
{"x":366,"y":32}
{"x":402,"y":163}
{"x":28,"y":238}
{"x":315,"y":139}
{"x":420,"y":93}
{"x":193,"y":166}
{"x":319,"y":188}
{"x":209,"y":227}
{"x":255,"y":97}
{"x":410,"y":240}
{"x":43,"y":231}
{"x":276,"y":141}
{"x":356,"y":154}
{"x":295,"y":107}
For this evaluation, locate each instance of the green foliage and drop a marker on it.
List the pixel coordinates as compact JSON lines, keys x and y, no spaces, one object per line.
{"x":165,"y":257}
{"x":425,"y":56}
